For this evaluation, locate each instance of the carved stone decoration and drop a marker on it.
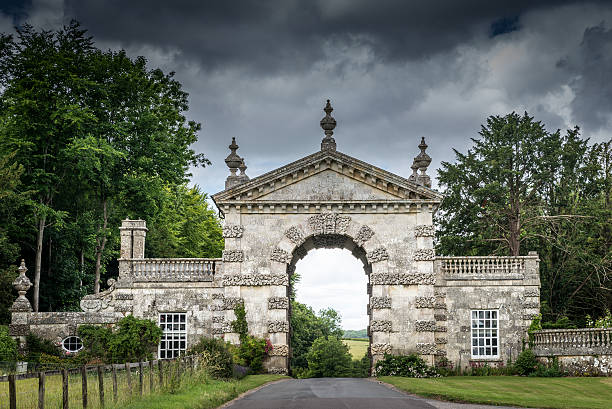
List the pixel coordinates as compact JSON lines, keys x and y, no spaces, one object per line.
{"x":426,"y":348}
{"x":425,"y":326}
{"x":233,"y":231}
{"x":295,"y":235}
{"x":379,"y":254}
{"x":280,"y":255}
{"x":424,"y":255}
{"x":364,"y":234}
{"x":22,"y":284}
{"x":279,"y":350}
{"x":104,"y":299}
{"x":424,"y":230}
{"x":255,"y":279}
{"x":329,"y":223}
{"x":278,"y":326}
{"x":424,"y":302}
{"x":380,"y":326}
{"x":233,"y":256}
{"x":380,"y":349}
{"x":278,"y":371}
{"x":402,"y":279}
{"x":329,"y":241}
{"x":278,"y":303}
{"x":378,"y":303}
{"x":441,"y":340}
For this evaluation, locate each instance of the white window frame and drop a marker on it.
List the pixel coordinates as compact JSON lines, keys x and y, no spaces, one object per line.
{"x":72,"y":340}
{"x":484,"y":335}
{"x":173,"y":342}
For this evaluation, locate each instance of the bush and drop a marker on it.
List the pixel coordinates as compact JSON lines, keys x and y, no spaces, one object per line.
{"x":411,"y":366}
{"x":252,"y":352}
{"x":95,"y":342}
{"x":37,"y":346}
{"x":526,"y":363}
{"x":329,"y":357}
{"x":551,"y":371}
{"x":360,"y":368}
{"x":8,"y":346}
{"x":217,"y":357}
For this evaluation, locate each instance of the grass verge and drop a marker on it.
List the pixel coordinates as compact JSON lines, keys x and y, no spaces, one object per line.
{"x":583,"y":393}
{"x":203,"y":394}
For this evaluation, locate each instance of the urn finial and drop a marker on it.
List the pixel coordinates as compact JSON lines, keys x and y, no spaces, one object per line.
{"x":421,"y":162}
{"x":233,"y":162}
{"x":328,"y":123}
{"x":22,"y":284}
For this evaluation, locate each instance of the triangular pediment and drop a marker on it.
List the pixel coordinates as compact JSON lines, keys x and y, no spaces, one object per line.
{"x":327,"y":176}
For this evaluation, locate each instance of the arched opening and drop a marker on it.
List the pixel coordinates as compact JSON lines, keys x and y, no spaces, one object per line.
{"x":328,"y":272}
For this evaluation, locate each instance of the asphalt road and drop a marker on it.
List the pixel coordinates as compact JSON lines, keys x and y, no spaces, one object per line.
{"x":328,"y":393}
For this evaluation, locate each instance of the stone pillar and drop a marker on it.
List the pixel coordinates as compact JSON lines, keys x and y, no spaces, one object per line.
{"x":133,"y":233}
{"x":21,"y":308}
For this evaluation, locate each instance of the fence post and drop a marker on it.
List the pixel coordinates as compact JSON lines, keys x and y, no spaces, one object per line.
{"x":41,"y":390}
{"x":64,"y":388}
{"x":114,"y":383}
{"x":84,"y":385}
{"x":140,"y":376}
{"x":101,"y":384}
{"x":161,"y":373}
{"x":150,"y":376}
{"x":128,"y":374}
{"x":12,"y":392}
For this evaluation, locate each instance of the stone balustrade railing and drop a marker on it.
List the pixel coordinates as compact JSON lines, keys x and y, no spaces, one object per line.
{"x":475,"y":267}
{"x":172,"y":269}
{"x":568,"y":342}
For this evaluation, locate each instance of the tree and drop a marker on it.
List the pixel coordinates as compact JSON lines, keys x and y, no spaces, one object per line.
{"x":329,"y":357}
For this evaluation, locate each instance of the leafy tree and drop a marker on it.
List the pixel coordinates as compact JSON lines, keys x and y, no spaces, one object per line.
{"x":8,"y":346}
{"x":329,"y":357}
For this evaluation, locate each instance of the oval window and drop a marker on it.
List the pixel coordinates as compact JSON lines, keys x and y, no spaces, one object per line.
{"x":72,"y":344}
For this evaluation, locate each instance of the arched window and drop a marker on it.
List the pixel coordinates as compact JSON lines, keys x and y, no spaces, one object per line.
{"x":72,"y":344}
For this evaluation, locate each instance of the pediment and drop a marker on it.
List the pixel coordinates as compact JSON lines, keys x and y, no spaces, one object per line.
{"x":327,"y":176}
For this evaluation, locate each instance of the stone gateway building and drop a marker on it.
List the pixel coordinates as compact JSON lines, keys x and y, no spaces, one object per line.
{"x":468,"y":309}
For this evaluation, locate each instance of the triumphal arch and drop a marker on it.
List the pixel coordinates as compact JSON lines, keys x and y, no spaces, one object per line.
{"x":468,"y":309}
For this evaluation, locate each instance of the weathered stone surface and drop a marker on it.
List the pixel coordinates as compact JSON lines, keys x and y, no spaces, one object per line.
{"x":278,"y":326}
{"x":233,"y":231}
{"x":295,"y":234}
{"x":233,"y":256}
{"x":378,"y":303}
{"x":329,"y":241}
{"x":279,"y":350}
{"x":364,"y":234}
{"x":424,"y":230}
{"x":424,"y":302}
{"x":380,"y":349}
{"x":424,"y":326}
{"x":381,"y":326}
{"x":218,"y":320}
{"x":402,"y":279}
{"x":532,"y":292}
{"x":18,"y":329}
{"x":380,"y":254}
{"x":278,"y":303}
{"x":424,"y":255}
{"x":441,"y":340}
{"x":440,"y":317}
{"x":441,"y":328}
{"x":278,"y":371}
{"x":425,"y":348}
{"x":255,"y":279}
{"x":329,"y":223}
{"x":280,"y":255}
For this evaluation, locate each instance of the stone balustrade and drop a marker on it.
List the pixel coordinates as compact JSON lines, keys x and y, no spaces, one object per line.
{"x":172,"y":269}
{"x":584,"y":341}
{"x":475,"y":267}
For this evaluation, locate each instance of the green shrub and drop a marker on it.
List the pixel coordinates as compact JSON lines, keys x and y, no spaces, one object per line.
{"x":411,"y":366}
{"x":216,"y":356}
{"x":37,"y":346}
{"x":329,"y":357}
{"x":360,"y":368}
{"x":561,"y":323}
{"x":252,"y":352}
{"x":8,"y":346}
{"x":95,"y":342}
{"x":134,"y":340}
{"x":548,"y":371}
{"x":526,"y":363}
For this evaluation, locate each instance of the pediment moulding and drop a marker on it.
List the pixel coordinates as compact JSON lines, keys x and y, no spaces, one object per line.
{"x":300,"y":207}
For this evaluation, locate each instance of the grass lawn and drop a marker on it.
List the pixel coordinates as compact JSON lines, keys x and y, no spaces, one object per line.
{"x":202,"y":395}
{"x":357,"y":348}
{"x":591,"y":393}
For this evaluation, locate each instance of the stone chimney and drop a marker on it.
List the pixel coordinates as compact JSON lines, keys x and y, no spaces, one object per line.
{"x":133,"y":233}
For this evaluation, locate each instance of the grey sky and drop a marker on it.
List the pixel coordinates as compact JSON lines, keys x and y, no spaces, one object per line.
{"x":395,"y":70}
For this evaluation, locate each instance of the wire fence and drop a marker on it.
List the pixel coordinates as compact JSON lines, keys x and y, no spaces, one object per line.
{"x":94,"y":386}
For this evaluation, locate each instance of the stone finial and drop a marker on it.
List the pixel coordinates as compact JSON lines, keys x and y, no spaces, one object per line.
{"x":233,"y":162}
{"x":422,"y":161}
{"x":22,"y":284}
{"x":243,"y":167}
{"x":328,"y":123}
{"x":414,"y":177}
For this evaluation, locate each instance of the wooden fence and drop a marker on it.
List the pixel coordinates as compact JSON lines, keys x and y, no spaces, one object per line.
{"x":148,"y":377}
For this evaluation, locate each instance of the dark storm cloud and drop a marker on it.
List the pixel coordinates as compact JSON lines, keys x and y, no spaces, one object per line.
{"x":290,"y":35}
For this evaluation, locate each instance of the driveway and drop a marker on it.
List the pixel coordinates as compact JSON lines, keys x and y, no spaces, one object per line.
{"x":336,"y":393}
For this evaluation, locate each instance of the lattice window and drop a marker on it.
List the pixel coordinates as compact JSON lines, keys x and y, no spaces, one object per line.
{"x":72,"y":344}
{"x":485,"y":335}
{"x":174,"y":341}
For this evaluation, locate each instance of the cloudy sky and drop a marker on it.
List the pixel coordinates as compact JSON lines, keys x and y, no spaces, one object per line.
{"x":394,"y":70}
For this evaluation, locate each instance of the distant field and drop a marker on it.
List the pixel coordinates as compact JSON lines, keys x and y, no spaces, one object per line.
{"x":357,"y":348}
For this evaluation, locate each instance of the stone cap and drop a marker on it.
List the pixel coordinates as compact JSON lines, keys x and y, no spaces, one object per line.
{"x":136,"y":224}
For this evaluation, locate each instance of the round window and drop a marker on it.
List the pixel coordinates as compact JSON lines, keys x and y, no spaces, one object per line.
{"x":72,"y":344}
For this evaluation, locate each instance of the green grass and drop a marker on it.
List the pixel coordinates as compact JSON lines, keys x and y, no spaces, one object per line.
{"x":591,"y":393}
{"x":357,"y":348}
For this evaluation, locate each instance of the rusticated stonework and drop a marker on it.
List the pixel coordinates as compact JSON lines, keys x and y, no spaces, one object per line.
{"x":440,"y":317}
{"x":229,"y":303}
{"x":225,"y":328}
{"x":278,"y":371}
{"x":440,"y":328}
{"x":233,"y":256}
{"x":424,"y":230}
{"x":295,"y":235}
{"x":280,"y":255}
{"x":380,"y":254}
{"x":441,"y":340}
{"x":424,"y":302}
{"x":279,"y":350}
{"x":532,"y":292}
{"x":426,"y":348}
{"x":380,"y":349}
{"x":329,"y":241}
{"x":380,"y":326}
{"x":425,"y":326}
{"x":278,"y":326}
{"x":424,"y":255}
{"x":329,"y":223}
{"x":364,"y":234}
{"x":255,"y":279}
{"x":402,"y":279}
{"x":218,"y":320}
{"x":379,"y":303}
{"x":278,"y":303}
{"x":232,"y":231}
{"x":531,"y":305}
